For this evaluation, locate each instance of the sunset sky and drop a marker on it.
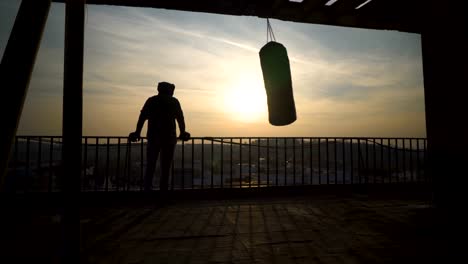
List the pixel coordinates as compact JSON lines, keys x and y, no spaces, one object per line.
{"x":346,"y":81}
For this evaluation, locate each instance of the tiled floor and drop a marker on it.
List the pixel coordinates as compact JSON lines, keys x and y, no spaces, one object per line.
{"x":306,"y":229}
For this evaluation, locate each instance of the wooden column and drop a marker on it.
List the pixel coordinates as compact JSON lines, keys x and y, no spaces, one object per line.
{"x":16,"y":69}
{"x":445,"y":60}
{"x":72,"y":126}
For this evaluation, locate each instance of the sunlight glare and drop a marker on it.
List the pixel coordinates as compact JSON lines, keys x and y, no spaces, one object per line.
{"x":245,"y":100}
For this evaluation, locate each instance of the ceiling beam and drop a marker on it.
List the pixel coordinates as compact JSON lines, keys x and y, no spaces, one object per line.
{"x":378,"y":14}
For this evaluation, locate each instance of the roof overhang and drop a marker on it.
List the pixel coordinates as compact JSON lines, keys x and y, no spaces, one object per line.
{"x":400,"y":15}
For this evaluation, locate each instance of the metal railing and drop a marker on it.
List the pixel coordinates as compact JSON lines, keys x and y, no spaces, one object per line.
{"x":115,"y":164}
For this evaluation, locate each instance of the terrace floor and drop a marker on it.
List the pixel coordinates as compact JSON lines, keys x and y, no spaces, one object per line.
{"x":305,"y":228}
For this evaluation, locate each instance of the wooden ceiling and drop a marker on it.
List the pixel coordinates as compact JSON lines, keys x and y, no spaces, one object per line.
{"x":401,"y":15}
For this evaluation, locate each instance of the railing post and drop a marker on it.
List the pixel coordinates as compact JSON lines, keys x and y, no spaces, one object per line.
{"x":16,"y":69}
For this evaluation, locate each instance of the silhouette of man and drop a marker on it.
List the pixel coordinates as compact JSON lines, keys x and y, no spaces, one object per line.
{"x":161,"y":111}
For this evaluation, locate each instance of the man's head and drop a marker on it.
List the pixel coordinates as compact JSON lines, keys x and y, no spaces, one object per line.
{"x":166,"y":88}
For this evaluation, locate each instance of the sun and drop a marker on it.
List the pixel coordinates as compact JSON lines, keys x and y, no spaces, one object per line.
{"x":245,"y":99}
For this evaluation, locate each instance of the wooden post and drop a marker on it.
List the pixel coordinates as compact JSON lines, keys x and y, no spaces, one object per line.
{"x":445,"y":56}
{"x":16,"y":69}
{"x":72,"y":126}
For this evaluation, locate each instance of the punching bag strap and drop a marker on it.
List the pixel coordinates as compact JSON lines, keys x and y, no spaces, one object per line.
{"x":270,"y":34}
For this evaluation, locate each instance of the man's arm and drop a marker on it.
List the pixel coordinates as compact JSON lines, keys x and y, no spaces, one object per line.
{"x":140,"y":123}
{"x":141,"y":120}
{"x":180,"y":118}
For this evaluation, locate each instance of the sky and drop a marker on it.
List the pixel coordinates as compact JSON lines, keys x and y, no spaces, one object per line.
{"x":346,"y":81}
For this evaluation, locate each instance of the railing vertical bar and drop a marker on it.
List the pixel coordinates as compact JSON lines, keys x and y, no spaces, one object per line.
{"x":141,"y":164}
{"x":240,"y":162}
{"x":336,"y":157}
{"x":39,"y":152}
{"x":258,"y":162}
{"x":294,"y":160}
{"x":277,"y":160}
{"x":268,"y":161}
{"x":319,"y":162}
{"x":426,"y":176}
{"x":202,"y":163}
{"x":250,"y":162}
{"x":182,"y":181}
{"x":404,"y":159}
{"x":285,"y":162}
{"x":411,"y":159}
{"x":311,"y":162}
{"x":129,"y":163}
{"x":96,"y":163}
{"x":117,"y":174}
{"x":389,"y":160}
{"x":222,"y":163}
{"x":212,"y":163}
{"x":302,"y":159}
{"x":193,"y":162}
{"x":344,"y":161}
{"x":367,"y":161}
{"x":171,"y":175}
{"x":382,"y":161}
{"x":359,"y":160}
{"x":85,"y":163}
{"x":28,"y":179}
{"x":328,"y":160}
{"x":396,"y":161}
{"x":374,"y":161}
{"x":230,"y":171}
{"x":351,"y":158}
{"x":418,"y":173}
{"x":51,"y":159}
{"x":107,"y":164}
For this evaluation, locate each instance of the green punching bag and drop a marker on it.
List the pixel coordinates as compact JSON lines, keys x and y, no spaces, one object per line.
{"x":278,"y":85}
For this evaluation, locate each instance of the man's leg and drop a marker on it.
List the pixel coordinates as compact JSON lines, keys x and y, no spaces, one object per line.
{"x":152,"y":153}
{"x":167,"y":154}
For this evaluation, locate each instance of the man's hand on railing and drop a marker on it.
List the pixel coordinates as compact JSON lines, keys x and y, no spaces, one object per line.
{"x":134,"y":137}
{"x":184,"y":136}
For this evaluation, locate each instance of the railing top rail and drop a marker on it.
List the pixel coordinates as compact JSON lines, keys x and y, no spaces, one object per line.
{"x":225,"y":137}
{"x":383,"y":142}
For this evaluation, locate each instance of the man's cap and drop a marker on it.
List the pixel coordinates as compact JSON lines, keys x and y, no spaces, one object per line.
{"x":166,"y":88}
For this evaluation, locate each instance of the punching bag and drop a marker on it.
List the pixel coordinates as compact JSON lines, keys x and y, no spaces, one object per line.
{"x":278,"y":85}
